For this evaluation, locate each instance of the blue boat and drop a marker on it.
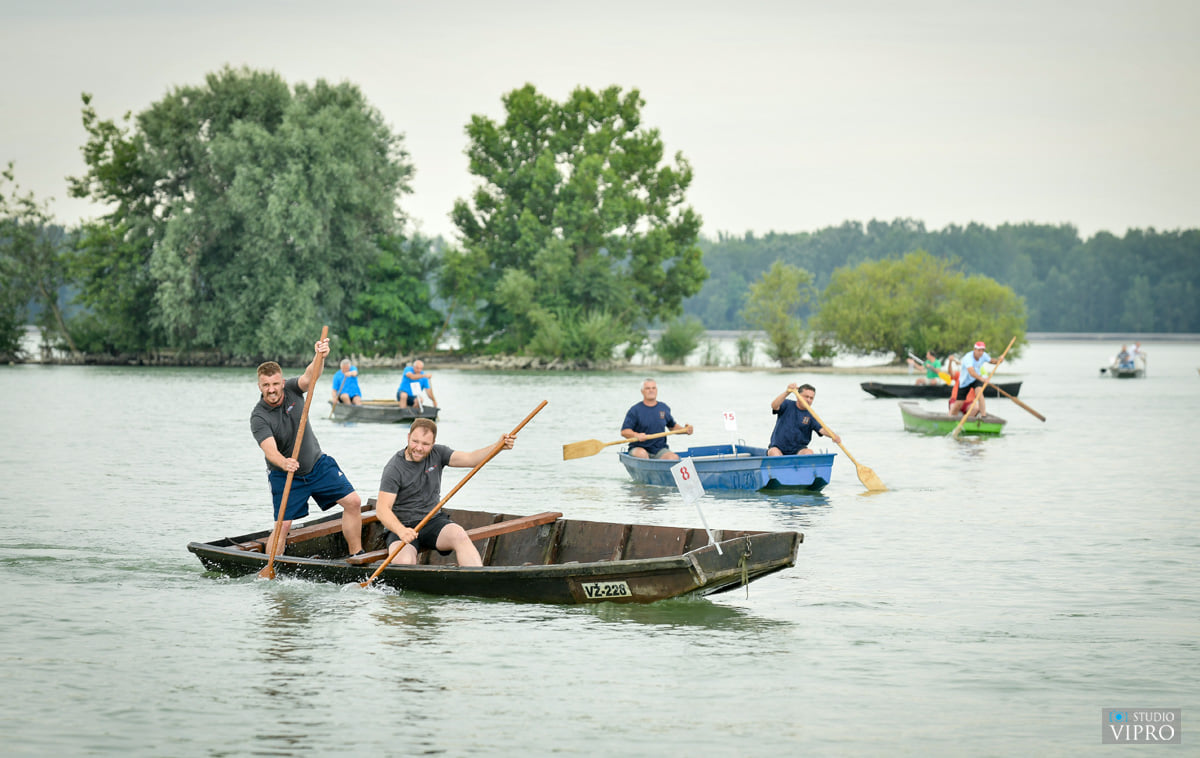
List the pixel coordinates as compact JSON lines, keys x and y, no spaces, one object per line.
{"x":722,"y":467}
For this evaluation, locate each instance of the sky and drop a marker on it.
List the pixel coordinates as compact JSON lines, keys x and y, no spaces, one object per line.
{"x":795,"y":116}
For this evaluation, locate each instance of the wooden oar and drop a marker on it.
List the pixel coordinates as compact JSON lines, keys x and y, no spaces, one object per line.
{"x":986,"y":381}
{"x":584,"y":448}
{"x":865,"y":475}
{"x":494,"y":452}
{"x":268,"y":571}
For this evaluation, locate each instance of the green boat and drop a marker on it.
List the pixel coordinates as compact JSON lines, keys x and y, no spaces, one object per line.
{"x":917,"y":419}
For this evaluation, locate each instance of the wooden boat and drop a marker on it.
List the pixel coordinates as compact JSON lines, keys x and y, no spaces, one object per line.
{"x":722,"y":467}
{"x":381,"y":412}
{"x":543,"y":558}
{"x":917,"y":419}
{"x":934,"y":391}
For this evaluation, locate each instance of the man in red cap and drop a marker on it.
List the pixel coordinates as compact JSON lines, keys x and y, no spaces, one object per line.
{"x":970,"y":381}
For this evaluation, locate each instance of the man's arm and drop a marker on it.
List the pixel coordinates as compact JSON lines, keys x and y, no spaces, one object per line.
{"x":383,"y":511}
{"x":276,"y":458}
{"x":778,"y":401}
{"x":320,"y":350}
{"x":460,"y":459}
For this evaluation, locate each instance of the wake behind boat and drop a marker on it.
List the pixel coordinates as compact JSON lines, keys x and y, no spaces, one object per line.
{"x":917,"y":419}
{"x":542,"y":558}
{"x":726,"y":467}
{"x":932,"y":391}
{"x":381,"y":412}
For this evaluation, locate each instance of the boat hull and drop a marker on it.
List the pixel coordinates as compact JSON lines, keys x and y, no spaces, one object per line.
{"x":565,"y":561}
{"x":940,"y":390}
{"x":720,"y":467}
{"x":381,"y":412}
{"x":917,"y":419}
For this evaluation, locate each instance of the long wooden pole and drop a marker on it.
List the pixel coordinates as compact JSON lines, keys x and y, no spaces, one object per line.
{"x":978,"y":395}
{"x":268,"y":572}
{"x":494,"y":452}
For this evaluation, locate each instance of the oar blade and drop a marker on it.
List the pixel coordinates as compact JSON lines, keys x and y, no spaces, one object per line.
{"x":266,"y":572}
{"x":870,"y":479}
{"x":582,"y":449}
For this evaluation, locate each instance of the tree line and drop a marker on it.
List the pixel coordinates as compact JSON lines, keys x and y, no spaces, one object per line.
{"x":1145,"y":281}
{"x":242,"y":211}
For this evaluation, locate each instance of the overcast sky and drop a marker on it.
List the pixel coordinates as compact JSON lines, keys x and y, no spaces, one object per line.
{"x":795,"y":115}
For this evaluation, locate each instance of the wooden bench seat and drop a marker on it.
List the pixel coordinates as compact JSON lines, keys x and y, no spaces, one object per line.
{"x":477,"y":534}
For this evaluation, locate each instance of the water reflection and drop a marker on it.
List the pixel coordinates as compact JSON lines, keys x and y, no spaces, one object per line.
{"x":693,"y":612}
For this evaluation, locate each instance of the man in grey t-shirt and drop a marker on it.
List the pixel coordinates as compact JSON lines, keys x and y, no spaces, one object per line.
{"x":411,"y":487}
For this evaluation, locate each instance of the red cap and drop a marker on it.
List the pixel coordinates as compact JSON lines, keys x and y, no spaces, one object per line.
{"x":980,"y":346}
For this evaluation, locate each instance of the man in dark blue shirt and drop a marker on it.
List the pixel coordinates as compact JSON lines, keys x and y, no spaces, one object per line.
{"x":794,"y":426}
{"x":650,"y":417}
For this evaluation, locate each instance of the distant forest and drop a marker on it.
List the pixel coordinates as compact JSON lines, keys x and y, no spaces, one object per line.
{"x":1146,"y":281}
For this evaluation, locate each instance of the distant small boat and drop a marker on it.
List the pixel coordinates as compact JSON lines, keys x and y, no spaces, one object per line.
{"x":917,"y":419}
{"x":932,"y":391}
{"x":542,"y":558}
{"x":1135,"y":369}
{"x":722,"y":467}
{"x":381,"y":412}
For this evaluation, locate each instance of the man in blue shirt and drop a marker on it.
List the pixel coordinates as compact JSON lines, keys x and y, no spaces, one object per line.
{"x":970,"y":380}
{"x":345,"y":384}
{"x":794,"y":426}
{"x":650,"y":417}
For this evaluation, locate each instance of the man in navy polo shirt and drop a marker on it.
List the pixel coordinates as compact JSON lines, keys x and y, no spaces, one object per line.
{"x":650,"y":417}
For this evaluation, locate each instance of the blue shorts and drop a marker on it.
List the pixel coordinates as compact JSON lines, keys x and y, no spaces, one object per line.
{"x":326,"y":484}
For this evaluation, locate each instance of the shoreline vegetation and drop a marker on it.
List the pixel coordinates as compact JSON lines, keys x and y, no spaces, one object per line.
{"x":454,"y":360}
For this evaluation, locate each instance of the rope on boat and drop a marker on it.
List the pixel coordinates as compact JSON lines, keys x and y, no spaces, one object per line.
{"x":747,"y":551}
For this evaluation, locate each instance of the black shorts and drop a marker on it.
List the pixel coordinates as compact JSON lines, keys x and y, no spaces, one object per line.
{"x":427,"y":537}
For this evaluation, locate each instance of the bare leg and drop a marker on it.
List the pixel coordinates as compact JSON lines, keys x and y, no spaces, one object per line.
{"x":352,"y":521}
{"x":284,"y":528}
{"x":454,"y":537}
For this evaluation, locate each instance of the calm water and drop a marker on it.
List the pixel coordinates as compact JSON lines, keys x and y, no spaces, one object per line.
{"x":992,"y":602}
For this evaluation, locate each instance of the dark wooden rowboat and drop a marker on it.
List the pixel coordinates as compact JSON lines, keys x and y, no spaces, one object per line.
{"x":542,"y":558}
{"x":939,"y":390}
{"x":381,"y":412}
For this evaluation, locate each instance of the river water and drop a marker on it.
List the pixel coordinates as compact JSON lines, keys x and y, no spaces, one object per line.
{"x":991,"y":602}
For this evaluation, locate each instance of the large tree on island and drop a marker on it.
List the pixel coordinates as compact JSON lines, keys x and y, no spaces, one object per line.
{"x":244,"y":213}
{"x":917,"y":303}
{"x":576,"y":239}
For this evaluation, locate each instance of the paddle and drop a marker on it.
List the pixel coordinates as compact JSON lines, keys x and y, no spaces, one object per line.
{"x":986,"y":381}
{"x":495,"y":451}
{"x":865,"y":475}
{"x":268,"y":572}
{"x":583,"y":449}
{"x":941,"y":374}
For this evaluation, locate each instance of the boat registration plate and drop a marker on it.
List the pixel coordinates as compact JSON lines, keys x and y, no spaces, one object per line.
{"x":600,"y":590}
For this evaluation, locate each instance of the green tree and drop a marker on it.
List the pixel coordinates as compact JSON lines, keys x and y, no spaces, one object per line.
{"x":917,"y":303}
{"x":244,"y":213}
{"x":32,"y":266}
{"x":679,"y":339}
{"x":392,"y":313}
{"x":774,"y":305}
{"x":577,"y":239}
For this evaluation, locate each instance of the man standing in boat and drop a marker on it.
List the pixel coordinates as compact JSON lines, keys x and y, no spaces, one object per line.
{"x":650,"y":417}
{"x":970,"y":381}
{"x":274,"y":422}
{"x":794,"y":425}
{"x":410,"y":488}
